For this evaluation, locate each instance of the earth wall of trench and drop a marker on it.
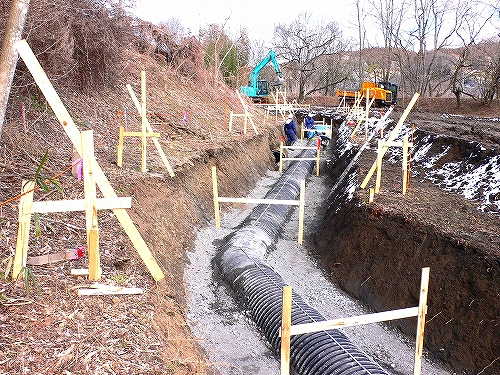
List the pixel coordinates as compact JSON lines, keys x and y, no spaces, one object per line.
{"x":376,"y":255}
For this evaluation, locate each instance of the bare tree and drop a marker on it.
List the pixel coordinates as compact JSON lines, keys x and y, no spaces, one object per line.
{"x":8,"y":57}
{"x":421,"y":43}
{"x":306,"y":50}
{"x":388,"y":16}
{"x":477,"y":16}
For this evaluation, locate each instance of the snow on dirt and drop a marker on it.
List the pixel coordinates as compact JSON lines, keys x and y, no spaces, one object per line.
{"x":231,"y":339}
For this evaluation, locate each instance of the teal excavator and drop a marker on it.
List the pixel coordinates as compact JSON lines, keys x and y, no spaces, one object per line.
{"x":257,"y":89}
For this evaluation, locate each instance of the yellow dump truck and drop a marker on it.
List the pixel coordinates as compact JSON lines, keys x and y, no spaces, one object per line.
{"x":385,"y":93}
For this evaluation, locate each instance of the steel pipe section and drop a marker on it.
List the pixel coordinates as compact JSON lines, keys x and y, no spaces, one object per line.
{"x":241,"y":264}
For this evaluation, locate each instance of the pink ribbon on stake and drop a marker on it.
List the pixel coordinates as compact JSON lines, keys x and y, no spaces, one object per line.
{"x":80,"y":168}
{"x":184,"y":118}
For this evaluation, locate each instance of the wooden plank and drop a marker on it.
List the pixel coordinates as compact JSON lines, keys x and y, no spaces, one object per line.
{"x":79,"y":271}
{"x":216,"y":196}
{"x":288,"y":202}
{"x":286,"y":322}
{"x":392,"y":136}
{"x":23,"y":229}
{"x":74,"y":135}
{"x":422,"y":311}
{"x":156,"y":142}
{"x":102,"y":290}
{"x":299,"y":329}
{"x":90,"y":206}
{"x":140,"y":134}
{"x":143,"y":122}
{"x":66,"y":205}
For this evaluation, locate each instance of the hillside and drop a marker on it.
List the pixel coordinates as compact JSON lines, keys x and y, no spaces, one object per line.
{"x":52,"y":329}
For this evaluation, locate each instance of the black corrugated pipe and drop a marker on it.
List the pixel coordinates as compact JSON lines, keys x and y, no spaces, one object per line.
{"x":240,"y":262}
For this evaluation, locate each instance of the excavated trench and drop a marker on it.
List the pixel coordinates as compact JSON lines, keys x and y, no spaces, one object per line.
{"x":376,"y":257}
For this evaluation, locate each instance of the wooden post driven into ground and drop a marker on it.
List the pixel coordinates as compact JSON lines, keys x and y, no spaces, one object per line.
{"x":25,"y":211}
{"x":305,"y":328}
{"x":286,"y":319}
{"x":91,"y":206}
{"x":147,"y":130}
{"x":143,"y":121}
{"x":300,"y":202}
{"x":74,"y":135}
{"x":422,"y":312}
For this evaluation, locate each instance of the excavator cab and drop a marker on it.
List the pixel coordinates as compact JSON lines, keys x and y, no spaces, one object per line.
{"x":262,"y":88}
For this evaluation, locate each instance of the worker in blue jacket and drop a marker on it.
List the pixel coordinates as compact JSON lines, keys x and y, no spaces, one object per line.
{"x":309,"y":124}
{"x":290,"y":130}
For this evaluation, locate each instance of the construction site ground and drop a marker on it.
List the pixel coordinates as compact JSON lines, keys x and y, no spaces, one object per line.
{"x":52,"y":330}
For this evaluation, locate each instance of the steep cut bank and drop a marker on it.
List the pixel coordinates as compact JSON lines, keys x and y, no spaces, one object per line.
{"x":375,"y":253}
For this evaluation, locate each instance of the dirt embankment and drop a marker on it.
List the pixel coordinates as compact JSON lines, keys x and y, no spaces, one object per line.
{"x":376,"y":252}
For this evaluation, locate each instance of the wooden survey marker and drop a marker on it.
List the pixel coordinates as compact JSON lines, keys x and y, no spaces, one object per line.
{"x":392,"y":136}
{"x":75,"y":136}
{"x":146,"y":130}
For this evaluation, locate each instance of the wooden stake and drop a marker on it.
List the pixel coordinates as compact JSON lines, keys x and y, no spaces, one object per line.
{"x":302,"y":204}
{"x":247,"y":115}
{"x":372,"y":195}
{"x":119,"y":156}
{"x":74,"y":135}
{"x":380,"y":155}
{"x":23,"y":230}
{"x":143,"y":121}
{"x":392,"y":136}
{"x":216,"y":197}
{"x":286,"y":322}
{"x":90,"y":206}
{"x":422,"y":311}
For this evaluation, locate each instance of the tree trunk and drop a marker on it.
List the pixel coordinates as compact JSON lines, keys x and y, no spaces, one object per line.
{"x":8,"y":57}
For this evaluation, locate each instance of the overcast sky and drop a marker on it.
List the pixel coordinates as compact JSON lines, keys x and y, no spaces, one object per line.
{"x":258,"y":17}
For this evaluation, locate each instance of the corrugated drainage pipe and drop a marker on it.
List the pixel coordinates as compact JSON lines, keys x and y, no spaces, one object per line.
{"x":240,"y":262}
